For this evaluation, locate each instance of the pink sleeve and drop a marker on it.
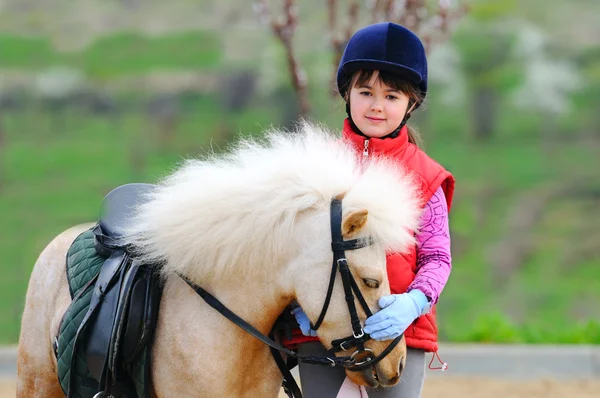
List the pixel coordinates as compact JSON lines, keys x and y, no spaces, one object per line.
{"x":434,"y":260}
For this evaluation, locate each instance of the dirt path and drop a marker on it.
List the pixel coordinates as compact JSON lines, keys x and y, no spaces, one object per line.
{"x":484,"y":388}
{"x":8,"y":388}
{"x":468,"y":388}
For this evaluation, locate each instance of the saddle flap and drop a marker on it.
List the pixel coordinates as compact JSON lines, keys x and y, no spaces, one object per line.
{"x":101,"y":313}
{"x":142,"y":313}
{"x":120,"y":318}
{"x":124,"y":322}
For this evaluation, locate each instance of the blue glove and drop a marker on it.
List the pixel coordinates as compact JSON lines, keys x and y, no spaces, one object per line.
{"x":397,"y":312}
{"x":304,"y":322}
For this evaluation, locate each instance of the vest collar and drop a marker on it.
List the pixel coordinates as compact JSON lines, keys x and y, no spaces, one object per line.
{"x":385,"y":146}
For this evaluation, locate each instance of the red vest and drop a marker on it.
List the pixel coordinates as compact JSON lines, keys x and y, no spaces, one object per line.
{"x":402,"y":269}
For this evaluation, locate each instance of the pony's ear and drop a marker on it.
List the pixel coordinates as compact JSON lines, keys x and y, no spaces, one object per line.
{"x":353,"y":222}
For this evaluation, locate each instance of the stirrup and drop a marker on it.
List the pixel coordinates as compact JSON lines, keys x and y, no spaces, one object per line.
{"x":101,"y":395}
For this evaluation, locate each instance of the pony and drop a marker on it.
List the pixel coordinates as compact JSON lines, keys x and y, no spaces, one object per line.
{"x":252,"y":227}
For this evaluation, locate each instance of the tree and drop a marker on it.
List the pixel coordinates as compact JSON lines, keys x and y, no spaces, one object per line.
{"x":284,"y":29}
{"x":431,"y":21}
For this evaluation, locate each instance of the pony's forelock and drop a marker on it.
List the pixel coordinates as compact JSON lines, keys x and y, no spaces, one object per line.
{"x":233,"y":212}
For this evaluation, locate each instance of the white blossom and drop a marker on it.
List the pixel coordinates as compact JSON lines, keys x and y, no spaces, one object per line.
{"x":548,"y":83}
{"x":445,"y":68}
{"x":58,"y":82}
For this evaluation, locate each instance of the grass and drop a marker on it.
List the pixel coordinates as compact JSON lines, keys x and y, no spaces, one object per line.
{"x":117,"y":55}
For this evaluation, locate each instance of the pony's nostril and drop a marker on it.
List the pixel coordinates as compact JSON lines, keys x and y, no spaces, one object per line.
{"x":400,"y":367}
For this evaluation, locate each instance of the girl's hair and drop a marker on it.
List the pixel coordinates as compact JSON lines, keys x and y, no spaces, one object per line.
{"x":396,"y":82}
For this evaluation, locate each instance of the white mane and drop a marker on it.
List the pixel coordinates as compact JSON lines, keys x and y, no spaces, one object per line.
{"x":236,"y":211}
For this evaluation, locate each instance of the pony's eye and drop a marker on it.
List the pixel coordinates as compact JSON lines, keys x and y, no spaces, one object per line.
{"x":372,"y":283}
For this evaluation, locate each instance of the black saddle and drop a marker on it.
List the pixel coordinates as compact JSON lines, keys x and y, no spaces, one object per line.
{"x":116,"y":212}
{"x":123,"y":310}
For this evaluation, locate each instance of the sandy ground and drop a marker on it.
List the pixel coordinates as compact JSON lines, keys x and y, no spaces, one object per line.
{"x":7,"y":388}
{"x":468,"y":388}
{"x":484,"y":388}
{"x":455,"y":387}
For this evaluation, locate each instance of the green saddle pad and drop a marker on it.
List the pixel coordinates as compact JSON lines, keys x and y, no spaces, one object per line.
{"x":83,"y":265}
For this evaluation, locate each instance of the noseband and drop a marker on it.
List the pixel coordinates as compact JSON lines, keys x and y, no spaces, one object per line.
{"x":360,"y":359}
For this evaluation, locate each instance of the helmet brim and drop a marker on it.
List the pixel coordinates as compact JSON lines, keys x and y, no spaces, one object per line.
{"x":411,"y":75}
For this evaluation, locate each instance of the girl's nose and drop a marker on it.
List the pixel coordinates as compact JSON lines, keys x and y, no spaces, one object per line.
{"x":376,"y":105}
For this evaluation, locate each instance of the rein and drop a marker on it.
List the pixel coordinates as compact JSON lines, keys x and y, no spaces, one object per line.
{"x":359,"y":360}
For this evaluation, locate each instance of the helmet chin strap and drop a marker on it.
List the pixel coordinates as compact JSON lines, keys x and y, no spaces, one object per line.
{"x":393,"y":134}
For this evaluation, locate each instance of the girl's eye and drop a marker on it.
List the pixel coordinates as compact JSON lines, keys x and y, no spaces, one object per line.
{"x":365,"y":93}
{"x":392,"y":97}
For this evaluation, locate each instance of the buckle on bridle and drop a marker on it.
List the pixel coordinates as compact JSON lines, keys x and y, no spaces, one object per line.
{"x":362,"y":333}
{"x":342,"y":345}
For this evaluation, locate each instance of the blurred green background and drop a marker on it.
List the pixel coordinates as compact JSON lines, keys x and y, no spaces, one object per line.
{"x":94,"y":94}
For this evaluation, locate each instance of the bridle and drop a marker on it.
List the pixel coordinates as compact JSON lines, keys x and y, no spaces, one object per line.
{"x":359,"y":360}
{"x":363,"y":357}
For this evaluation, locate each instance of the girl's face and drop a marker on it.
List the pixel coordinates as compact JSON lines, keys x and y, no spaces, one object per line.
{"x":377,"y":109}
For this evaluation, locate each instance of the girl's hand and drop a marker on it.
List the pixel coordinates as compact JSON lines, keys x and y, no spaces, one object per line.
{"x":397,"y":312}
{"x":304,"y":322}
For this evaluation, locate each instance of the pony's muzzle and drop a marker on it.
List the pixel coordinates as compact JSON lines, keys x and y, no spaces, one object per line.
{"x":390,"y":381}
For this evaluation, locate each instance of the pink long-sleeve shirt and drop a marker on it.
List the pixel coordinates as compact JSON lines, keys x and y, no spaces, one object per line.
{"x":434,"y":260}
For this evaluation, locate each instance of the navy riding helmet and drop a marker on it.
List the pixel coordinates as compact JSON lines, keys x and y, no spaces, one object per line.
{"x":388,"y":47}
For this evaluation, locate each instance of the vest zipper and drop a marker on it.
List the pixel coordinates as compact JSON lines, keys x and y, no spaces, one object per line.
{"x":366,"y":149}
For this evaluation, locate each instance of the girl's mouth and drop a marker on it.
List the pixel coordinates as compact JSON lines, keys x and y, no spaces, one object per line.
{"x":374,"y":119}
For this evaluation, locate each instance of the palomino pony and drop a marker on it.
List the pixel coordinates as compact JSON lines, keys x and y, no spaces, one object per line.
{"x":253,"y":227}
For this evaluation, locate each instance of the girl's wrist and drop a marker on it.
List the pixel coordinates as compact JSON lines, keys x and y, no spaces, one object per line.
{"x":422,"y":301}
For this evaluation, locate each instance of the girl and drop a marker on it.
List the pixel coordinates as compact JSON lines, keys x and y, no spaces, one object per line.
{"x":382,"y":77}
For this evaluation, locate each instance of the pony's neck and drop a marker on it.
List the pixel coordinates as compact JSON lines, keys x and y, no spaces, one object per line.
{"x":258,"y":302}
{"x":194,"y":339}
